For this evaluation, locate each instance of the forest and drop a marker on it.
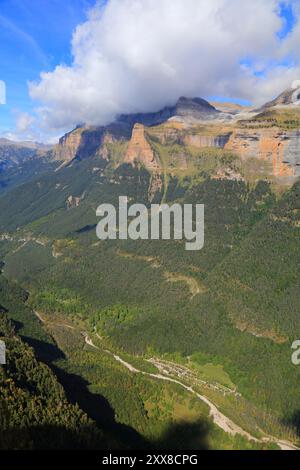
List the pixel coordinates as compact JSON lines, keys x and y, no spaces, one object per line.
{"x":233,"y":304}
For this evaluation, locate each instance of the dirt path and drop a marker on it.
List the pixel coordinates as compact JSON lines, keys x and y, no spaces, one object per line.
{"x":222,"y":421}
{"x":42,"y":320}
{"x":193,"y":285}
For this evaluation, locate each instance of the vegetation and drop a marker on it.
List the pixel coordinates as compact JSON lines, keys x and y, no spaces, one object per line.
{"x":285,"y":118}
{"x":35,"y":413}
{"x":235,"y":331}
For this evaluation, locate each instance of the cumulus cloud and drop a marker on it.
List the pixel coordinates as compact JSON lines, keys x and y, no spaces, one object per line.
{"x":140,"y":55}
{"x":27,"y":128}
{"x":24,"y":122}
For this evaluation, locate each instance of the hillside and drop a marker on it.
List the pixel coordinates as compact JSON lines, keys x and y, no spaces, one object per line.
{"x":35,"y":413}
{"x":22,"y":161}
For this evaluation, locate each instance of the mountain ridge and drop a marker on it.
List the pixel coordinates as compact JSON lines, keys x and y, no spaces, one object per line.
{"x":195,"y":122}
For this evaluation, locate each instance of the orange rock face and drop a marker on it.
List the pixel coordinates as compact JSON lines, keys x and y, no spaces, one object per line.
{"x":140,"y":150}
{"x":268,"y":145}
{"x":83,"y":142}
{"x":68,"y":146}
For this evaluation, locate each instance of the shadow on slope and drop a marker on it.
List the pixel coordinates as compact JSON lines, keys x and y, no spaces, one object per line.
{"x":180,"y":436}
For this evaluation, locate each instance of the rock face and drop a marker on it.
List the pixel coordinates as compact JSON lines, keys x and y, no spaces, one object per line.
{"x":84,"y":142}
{"x":194,"y":122}
{"x":74,"y":201}
{"x":203,"y":140}
{"x":280,"y":148}
{"x":139,"y":149}
{"x":68,"y":146}
{"x":155,"y":186}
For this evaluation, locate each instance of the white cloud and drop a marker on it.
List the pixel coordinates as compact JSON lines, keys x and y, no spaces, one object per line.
{"x":27,"y":128}
{"x":140,"y":55}
{"x":24,"y":122}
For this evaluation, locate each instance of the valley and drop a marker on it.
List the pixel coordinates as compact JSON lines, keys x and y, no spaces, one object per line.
{"x":156,"y":344}
{"x":166,"y":372}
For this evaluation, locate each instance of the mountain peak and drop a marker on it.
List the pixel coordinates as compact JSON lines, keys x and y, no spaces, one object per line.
{"x":190,"y":108}
{"x":290,"y":96}
{"x":196,"y":108}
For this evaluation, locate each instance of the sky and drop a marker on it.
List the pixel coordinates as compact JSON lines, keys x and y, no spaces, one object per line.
{"x":86,"y":61}
{"x":35,"y":36}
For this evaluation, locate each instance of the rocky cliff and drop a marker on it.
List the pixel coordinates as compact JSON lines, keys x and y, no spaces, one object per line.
{"x":281,"y":149}
{"x":203,"y":140}
{"x":140,"y":150}
{"x":196,"y":123}
{"x":84,"y":142}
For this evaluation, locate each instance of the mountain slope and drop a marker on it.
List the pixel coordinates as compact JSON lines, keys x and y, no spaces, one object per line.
{"x":35,"y":413}
{"x":22,"y":161}
{"x":153,"y":279}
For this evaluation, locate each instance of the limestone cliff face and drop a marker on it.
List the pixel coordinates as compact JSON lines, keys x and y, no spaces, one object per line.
{"x":68,"y":146}
{"x":84,"y":142}
{"x":203,"y":140}
{"x":280,"y":148}
{"x":139,"y":149}
{"x":176,"y":133}
{"x":195,"y":123}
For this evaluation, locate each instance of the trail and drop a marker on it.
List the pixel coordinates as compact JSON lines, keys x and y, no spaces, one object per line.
{"x":222,"y":421}
{"x":42,"y":320}
{"x":218,"y":418}
{"x":193,"y":285}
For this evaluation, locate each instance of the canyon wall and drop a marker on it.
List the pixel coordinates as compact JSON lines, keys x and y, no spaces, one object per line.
{"x":84,"y":142}
{"x":203,"y":140}
{"x":139,"y":149}
{"x":278,"y":147}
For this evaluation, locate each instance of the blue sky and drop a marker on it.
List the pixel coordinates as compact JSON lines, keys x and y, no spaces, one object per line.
{"x":35,"y":36}
{"x":287,"y":13}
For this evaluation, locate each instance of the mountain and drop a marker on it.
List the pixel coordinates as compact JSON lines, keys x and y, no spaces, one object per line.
{"x":291,"y":96}
{"x":85,"y":141}
{"x":21,"y":161}
{"x":186,"y":108}
{"x":145,"y":333}
{"x":266,"y":141}
{"x":14,"y":153}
